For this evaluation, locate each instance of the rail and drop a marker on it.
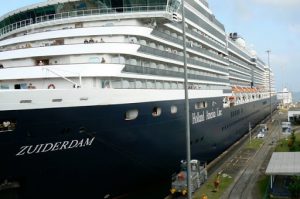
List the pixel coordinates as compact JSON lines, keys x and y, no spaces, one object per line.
{"x":81,"y":13}
{"x":168,"y":73}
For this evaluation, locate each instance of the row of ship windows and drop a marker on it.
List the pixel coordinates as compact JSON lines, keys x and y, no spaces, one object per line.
{"x":157,"y":111}
{"x":10,"y":125}
{"x":153,"y":84}
{"x":133,"y":61}
{"x":171,"y":49}
{"x":241,"y":62}
{"x":190,"y":42}
{"x":169,"y":32}
{"x":166,"y":66}
{"x":142,"y":41}
{"x":119,"y":84}
{"x":240,"y":75}
{"x":239,"y":68}
{"x":166,"y":31}
{"x":240,"y":83}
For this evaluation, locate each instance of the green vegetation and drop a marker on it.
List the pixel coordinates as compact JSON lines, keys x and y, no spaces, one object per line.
{"x":262,"y":185}
{"x":292,"y":143}
{"x":208,"y":187}
{"x":255,"y":143}
{"x":294,"y":187}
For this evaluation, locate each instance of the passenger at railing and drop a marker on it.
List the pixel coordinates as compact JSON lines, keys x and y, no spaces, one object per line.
{"x":102,"y":41}
{"x":1,"y":66}
{"x":91,"y":41}
{"x":41,"y":63}
{"x":103,"y":60}
{"x":86,"y":41}
{"x":30,"y":86}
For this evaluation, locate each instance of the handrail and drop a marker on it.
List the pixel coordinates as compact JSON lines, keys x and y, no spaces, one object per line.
{"x":81,"y":13}
{"x":65,"y":78}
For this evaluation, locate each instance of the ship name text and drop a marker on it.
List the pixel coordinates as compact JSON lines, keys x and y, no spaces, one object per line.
{"x":199,"y":117}
{"x":57,"y":146}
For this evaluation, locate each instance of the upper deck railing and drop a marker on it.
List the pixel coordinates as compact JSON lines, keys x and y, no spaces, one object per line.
{"x":81,"y":13}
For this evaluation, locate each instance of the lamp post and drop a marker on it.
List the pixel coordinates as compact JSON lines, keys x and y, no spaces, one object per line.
{"x":282,"y":93}
{"x":268,"y":51}
{"x":187,"y":108}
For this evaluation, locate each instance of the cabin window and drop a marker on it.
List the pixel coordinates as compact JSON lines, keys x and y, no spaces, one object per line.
{"x":156,"y":111}
{"x":105,"y":84}
{"x":173,"y":109}
{"x":94,"y":60}
{"x":159,"y":85}
{"x":42,"y":62}
{"x":79,"y":25}
{"x":4,"y":86}
{"x":200,"y":105}
{"x":57,"y":100}
{"x":116,"y":83}
{"x":17,"y":86}
{"x":21,"y":86}
{"x":58,"y":42}
{"x":7,"y":125}
{"x":131,"y":114}
{"x":150,"y":84}
{"x":25,"y":101}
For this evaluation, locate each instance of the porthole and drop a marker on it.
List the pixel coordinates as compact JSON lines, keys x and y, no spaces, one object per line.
{"x":173,"y":109}
{"x":131,"y":114}
{"x":156,"y":111}
{"x":7,"y":125}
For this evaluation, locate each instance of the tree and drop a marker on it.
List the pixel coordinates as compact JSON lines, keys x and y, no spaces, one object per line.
{"x":292,"y":142}
{"x":294,"y":187}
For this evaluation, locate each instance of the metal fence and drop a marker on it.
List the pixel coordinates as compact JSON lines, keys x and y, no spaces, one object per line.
{"x":168,"y":73}
{"x":81,"y":13}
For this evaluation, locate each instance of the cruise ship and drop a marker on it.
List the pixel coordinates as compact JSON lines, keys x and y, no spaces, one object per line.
{"x":92,"y":94}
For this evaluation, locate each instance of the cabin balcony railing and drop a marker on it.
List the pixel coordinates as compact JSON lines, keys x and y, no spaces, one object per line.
{"x":81,"y":13}
{"x":167,"y":73}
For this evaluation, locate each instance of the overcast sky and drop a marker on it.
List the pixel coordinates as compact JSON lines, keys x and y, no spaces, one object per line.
{"x":264,"y":24}
{"x":267,"y":24}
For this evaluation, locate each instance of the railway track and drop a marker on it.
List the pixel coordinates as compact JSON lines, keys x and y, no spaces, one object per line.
{"x":233,"y":158}
{"x":245,"y":183}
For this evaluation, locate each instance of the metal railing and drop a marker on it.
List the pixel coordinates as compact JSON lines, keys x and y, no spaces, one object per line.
{"x":239,"y":51}
{"x":168,"y":73}
{"x":238,"y":61}
{"x":15,"y":26}
{"x":177,"y":57}
{"x":240,"y":69}
{"x":202,"y":37}
{"x":81,"y":13}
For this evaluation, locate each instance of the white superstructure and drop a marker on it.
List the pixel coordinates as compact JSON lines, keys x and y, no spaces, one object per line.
{"x":98,"y":46}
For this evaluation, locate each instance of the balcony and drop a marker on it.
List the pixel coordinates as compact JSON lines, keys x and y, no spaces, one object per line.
{"x":177,"y":57}
{"x":168,"y":73}
{"x":82,"y":13}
